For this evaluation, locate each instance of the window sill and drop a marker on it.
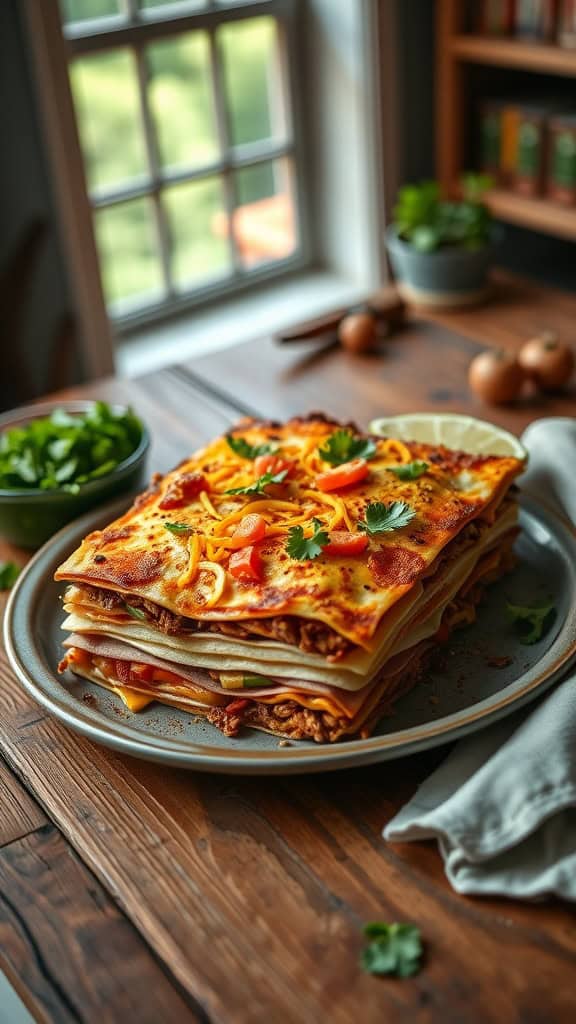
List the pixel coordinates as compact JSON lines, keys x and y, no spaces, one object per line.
{"x":234,"y":321}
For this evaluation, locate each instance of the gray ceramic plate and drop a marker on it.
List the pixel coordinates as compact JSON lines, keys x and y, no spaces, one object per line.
{"x":467,"y":694}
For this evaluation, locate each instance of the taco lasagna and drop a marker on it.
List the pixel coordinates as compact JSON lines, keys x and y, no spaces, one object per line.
{"x":295,"y":578}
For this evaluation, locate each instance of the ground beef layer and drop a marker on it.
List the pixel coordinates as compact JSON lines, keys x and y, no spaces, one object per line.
{"x":310,"y":636}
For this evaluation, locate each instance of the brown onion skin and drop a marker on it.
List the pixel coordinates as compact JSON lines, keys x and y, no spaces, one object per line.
{"x":495,"y":377}
{"x":547,"y":362}
{"x":357,"y":332}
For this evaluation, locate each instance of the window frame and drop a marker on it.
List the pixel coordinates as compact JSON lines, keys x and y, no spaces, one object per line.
{"x":336,"y":47}
{"x":133,"y":30}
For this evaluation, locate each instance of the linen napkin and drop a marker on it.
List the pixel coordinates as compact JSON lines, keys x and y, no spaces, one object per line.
{"x":503,"y":804}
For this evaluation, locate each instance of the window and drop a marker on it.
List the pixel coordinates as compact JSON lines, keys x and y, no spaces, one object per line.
{"x":185,"y":113}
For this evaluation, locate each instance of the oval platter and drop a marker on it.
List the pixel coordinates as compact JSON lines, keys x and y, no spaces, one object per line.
{"x":486,"y":672}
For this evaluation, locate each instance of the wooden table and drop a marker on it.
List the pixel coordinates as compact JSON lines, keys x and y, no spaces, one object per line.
{"x":134,"y":892}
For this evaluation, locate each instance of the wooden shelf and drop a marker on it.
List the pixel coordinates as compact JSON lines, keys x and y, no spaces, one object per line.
{"x":513,"y":53}
{"x":538,"y":214}
{"x":455,"y":50}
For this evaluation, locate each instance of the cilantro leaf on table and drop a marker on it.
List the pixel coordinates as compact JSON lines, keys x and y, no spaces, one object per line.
{"x":9,"y":573}
{"x":342,"y":447}
{"x":409,"y":470}
{"x":381,"y":518}
{"x":63,"y":451}
{"x":300,"y":547}
{"x":177,"y":527}
{"x":240,"y":446}
{"x":532,"y":622}
{"x":392,"y":949}
{"x":259,"y":485}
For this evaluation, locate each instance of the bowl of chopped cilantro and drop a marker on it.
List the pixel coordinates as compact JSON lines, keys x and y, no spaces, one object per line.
{"x":59,"y":459}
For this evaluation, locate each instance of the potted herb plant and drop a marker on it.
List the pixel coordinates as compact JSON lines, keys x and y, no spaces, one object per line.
{"x":441,"y":249}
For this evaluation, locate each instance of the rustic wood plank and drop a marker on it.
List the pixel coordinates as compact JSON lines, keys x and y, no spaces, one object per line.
{"x":68,"y":949}
{"x":518,"y":309}
{"x":423,"y":367}
{"x":276,"y":877}
{"x":19,"y":813}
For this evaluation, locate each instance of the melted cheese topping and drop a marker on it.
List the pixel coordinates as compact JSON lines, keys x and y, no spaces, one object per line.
{"x":137,"y":555}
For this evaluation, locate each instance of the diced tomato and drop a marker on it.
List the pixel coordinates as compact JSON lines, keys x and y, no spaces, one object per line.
{"x":343,"y":476}
{"x":272,"y":464}
{"x":142,"y":672}
{"x":235,"y":707}
{"x":183,"y":490}
{"x":246,"y":564}
{"x":344,"y":543}
{"x":250,"y":529}
{"x":122,"y":670}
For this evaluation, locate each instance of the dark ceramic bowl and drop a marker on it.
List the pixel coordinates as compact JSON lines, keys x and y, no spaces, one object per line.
{"x":28,"y":517}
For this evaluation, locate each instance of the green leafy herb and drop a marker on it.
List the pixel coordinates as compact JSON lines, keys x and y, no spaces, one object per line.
{"x":342,"y":447}
{"x":259,"y":485}
{"x":136,"y":613}
{"x":426,"y":221}
{"x":248,"y":451}
{"x":301,"y":547}
{"x":409,"y":470}
{"x":9,"y":573}
{"x":532,"y":621}
{"x":64,"y":451}
{"x":381,"y":518}
{"x":392,"y":949}
{"x":178,"y":527}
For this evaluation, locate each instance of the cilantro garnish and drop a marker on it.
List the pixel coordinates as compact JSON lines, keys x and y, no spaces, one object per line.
{"x":63,"y":451}
{"x":136,"y":613}
{"x":532,"y":622}
{"x":392,"y":949}
{"x":259,"y":485}
{"x":342,"y":447}
{"x":9,"y":573}
{"x":409,"y":470}
{"x":177,"y":527}
{"x":381,"y":518}
{"x":301,"y":547}
{"x":248,"y":451}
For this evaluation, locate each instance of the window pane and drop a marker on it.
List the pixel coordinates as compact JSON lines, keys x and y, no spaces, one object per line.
{"x":264,"y":219}
{"x":179,"y":6}
{"x":128,"y":247}
{"x":252,"y":80}
{"x":181,"y":100}
{"x":198,"y":227}
{"x":85,"y":10}
{"x":108,"y":111}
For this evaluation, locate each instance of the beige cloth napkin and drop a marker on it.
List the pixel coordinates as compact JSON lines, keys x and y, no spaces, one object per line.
{"x":503,"y":804}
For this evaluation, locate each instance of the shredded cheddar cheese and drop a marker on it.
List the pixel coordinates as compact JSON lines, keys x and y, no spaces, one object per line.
{"x":205,"y":501}
{"x":195,"y":550}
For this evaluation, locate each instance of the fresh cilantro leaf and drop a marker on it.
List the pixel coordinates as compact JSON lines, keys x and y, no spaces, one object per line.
{"x":136,"y":613}
{"x":63,"y":451}
{"x":9,"y":573}
{"x":177,"y":527}
{"x":381,"y":518}
{"x":65,"y":471}
{"x":392,"y":949}
{"x":342,"y":447}
{"x":409,"y":470}
{"x":301,"y":547}
{"x":259,"y":485}
{"x":532,"y":622}
{"x":248,"y":451}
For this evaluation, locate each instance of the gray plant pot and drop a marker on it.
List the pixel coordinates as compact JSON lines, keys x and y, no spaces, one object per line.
{"x":452,"y":276}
